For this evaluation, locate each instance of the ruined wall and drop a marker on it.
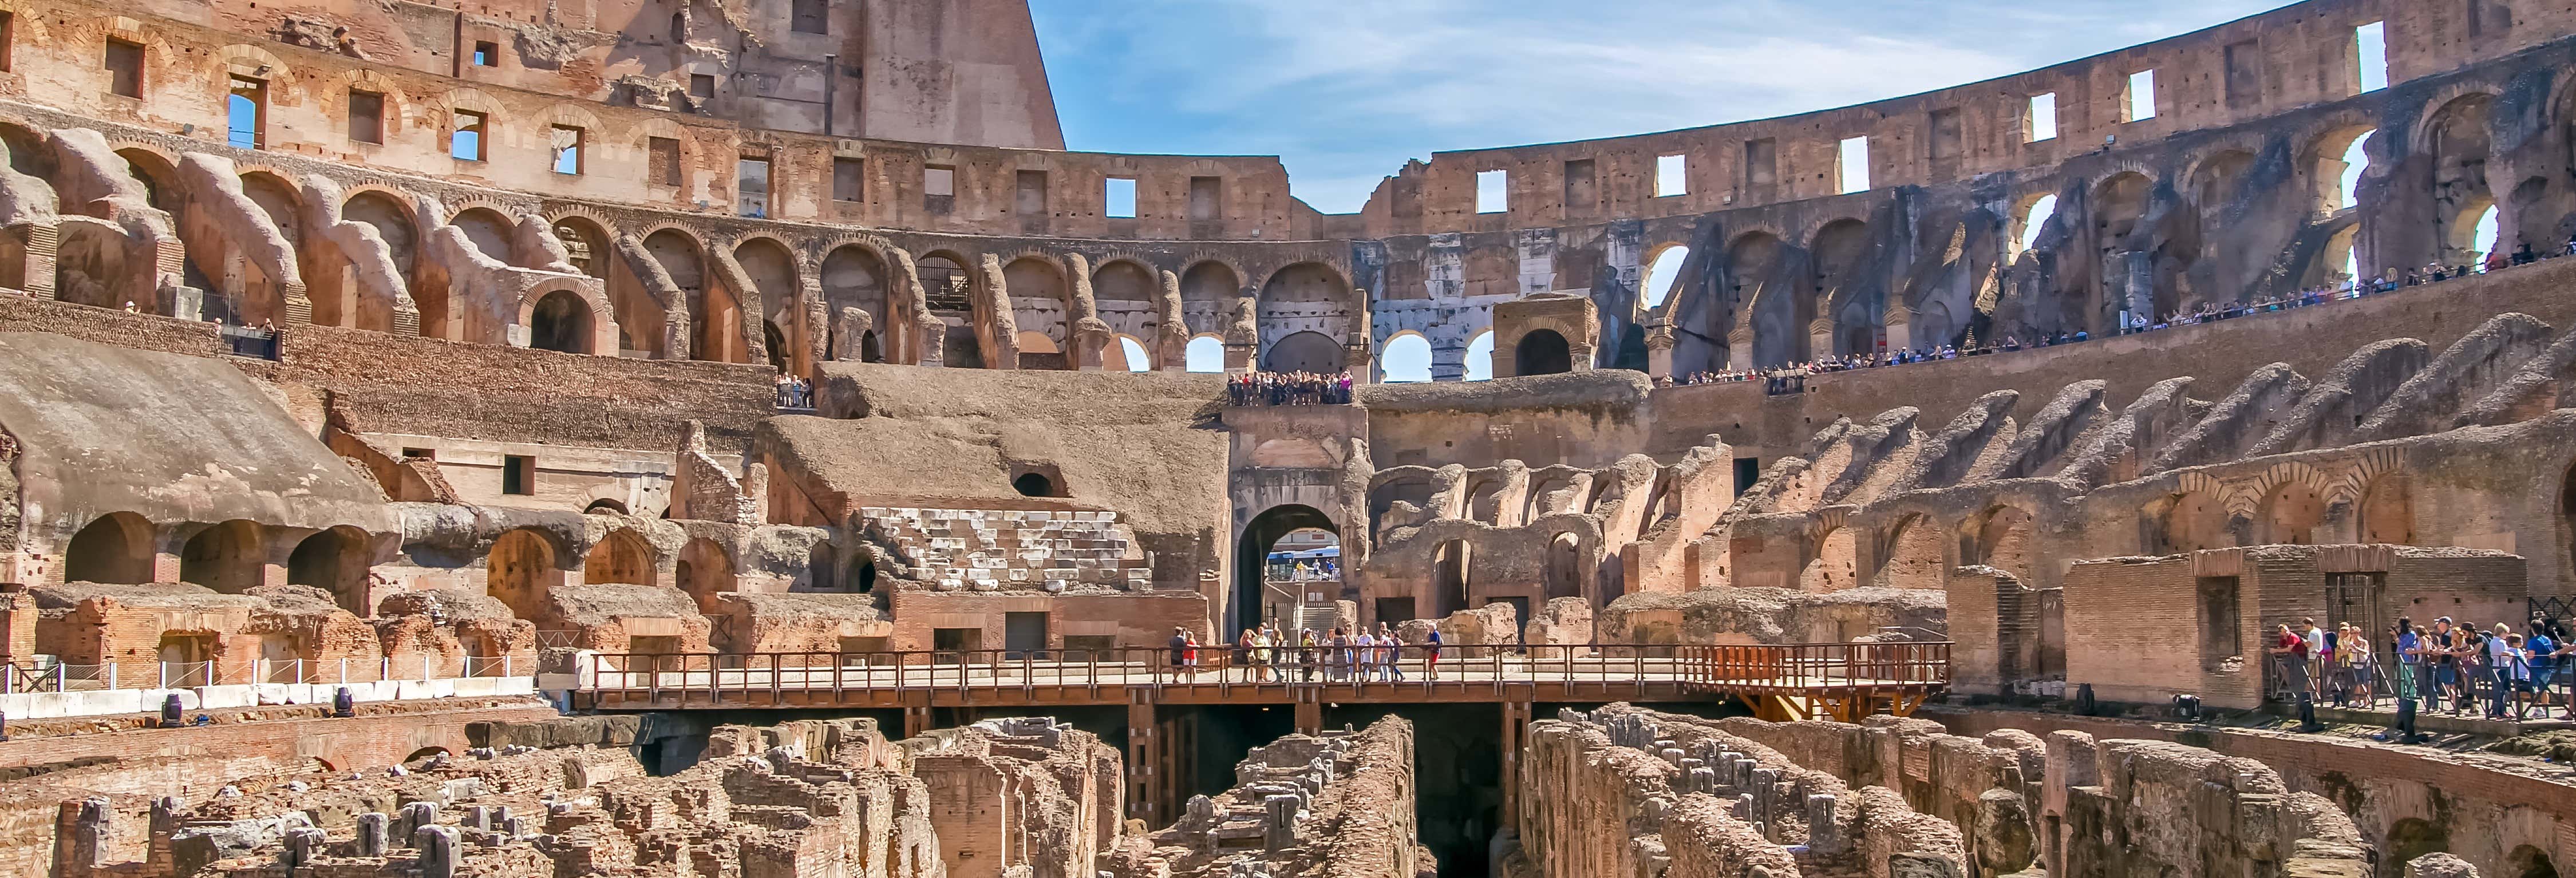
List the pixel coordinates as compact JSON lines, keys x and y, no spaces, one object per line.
{"x":1341,"y":804}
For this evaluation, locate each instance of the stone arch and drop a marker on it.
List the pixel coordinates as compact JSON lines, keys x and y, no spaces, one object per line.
{"x":1774,"y":319}
{"x":280,"y":199}
{"x":113,"y":548}
{"x":487,"y":230}
{"x":90,"y":267}
{"x":945,"y":286}
{"x":777,"y":284}
{"x":587,"y":245}
{"x":393,"y":222}
{"x":1039,"y":297}
{"x":1917,"y":555}
{"x":1411,"y":486}
{"x":1123,"y":290}
{"x":27,"y":150}
{"x":2459,"y":138}
{"x":2005,"y":537}
{"x":621,"y":556}
{"x":1306,"y":351}
{"x":1661,"y":276}
{"x":334,"y":560}
{"x":231,"y":557}
{"x":2188,"y":521}
{"x":522,"y":570}
{"x":1404,"y":347}
{"x":705,"y":571}
{"x":606,"y":506}
{"x":2324,"y":160}
{"x":561,"y":321}
{"x":2290,"y":514}
{"x":1839,"y":269}
{"x":854,"y":276}
{"x":713,"y":312}
{"x":1252,"y":551}
{"x":1542,"y":352}
{"x":157,"y":172}
{"x":2414,"y":837}
{"x":2529,"y":861}
{"x":1450,"y":577}
{"x":2032,"y":215}
{"x":1833,"y":562}
{"x":2386,"y":512}
{"x":1301,"y":298}
{"x":1208,"y":291}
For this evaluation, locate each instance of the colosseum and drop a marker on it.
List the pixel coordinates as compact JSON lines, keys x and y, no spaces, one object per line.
{"x":687,"y":438}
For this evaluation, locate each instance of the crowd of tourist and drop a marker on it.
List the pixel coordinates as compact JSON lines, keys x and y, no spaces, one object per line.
{"x":795,"y":394}
{"x":1270,"y":654}
{"x":1289,"y":388}
{"x":1790,"y":378}
{"x":2494,"y":672}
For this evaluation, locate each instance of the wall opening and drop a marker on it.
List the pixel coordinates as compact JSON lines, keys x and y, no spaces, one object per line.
{"x":1118,"y":195}
{"x":2221,"y":620}
{"x":2039,"y":120}
{"x":1480,"y":357}
{"x":567,"y":142}
{"x":1305,"y":351}
{"x":2034,"y":220}
{"x":1672,"y":176}
{"x":1405,"y":359}
{"x":228,"y":557}
{"x":1662,"y":274}
{"x":1564,"y":569}
{"x":1252,"y":596}
{"x":335,"y":561}
{"x":521,"y":571}
{"x":246,"y":113}
{"x":1542,"y":352}
{"x":116,"y":548}
{"x":1034,"y":485}
{"x":1915,"y":556}
{"x":621,"y":557}
{"x":561,"y":323}
{"x":705,"y":570}
{"x":1852,"y":166}
{"x":1449,"y":565}
{"x":2139,"y":102}
{"x":1493,"y":191}
{"x":1205,"y":354}
{"x":2370,"y":56}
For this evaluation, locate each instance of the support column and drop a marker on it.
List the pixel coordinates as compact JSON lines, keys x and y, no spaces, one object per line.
{"x":1516,"y":720}
{"x":1142,"y":764}
{"x":1310,"y":711}
{"x":916,"y":720}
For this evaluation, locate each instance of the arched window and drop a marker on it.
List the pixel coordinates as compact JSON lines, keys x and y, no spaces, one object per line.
{"x":1542,"y":352}
{"x":1129,"y":356}
{"x":1205,"y":354}
{"x":2034,"y":219}
{"x":561,"y":322}
{"x":1662,"y":274}
{"x":1406,"y":358}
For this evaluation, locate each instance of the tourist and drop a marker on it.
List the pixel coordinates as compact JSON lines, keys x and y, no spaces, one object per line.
{"x":1264,"y":653}
{"x":2446,"y":666}
{"x":2315,"y":639}
{"x":2410,"y":662}
{"x":2290,"y":654}
{"x":1431,"y":656}
{"x":1306,"y":654}
{"x":1243,"y":653}
{"x":2503,"y":657}
{"x":2514,"y":669}
{"x":2562,"y":661}
{"x":1180,"y":645}
{"x":1364,"y":653}
{"x":2541,"y":650}
{"x":2353,"y":654}
{"x":1392,"y":651}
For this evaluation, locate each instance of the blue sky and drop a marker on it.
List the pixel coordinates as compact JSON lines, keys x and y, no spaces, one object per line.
{"x":1346,"y":90}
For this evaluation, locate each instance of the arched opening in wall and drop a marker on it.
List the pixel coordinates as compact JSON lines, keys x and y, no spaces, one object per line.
{"x":1307,"y":297}
{"x":1564,"y":567}
{"x":1843,"y":288}
{"x":2414,"y":837}
{"x":2003,"y":541}
{"x":622,"y":557}
{"x":775,"y":285}
{"x":392,"y":222}
{"x":1205,"y":355}
{"x":862,"y":578}
{"x":1123,"y":292}
{"x":945,"y":285}
{"x":27,"y":152}
{"x":1484,"y":499}
{"x":417,"y":756}
{"x":2215,"y":182}
{"x":1915,"y":556}
{"x":1449,"y":566}
{"x":705,"y":571}
{"x":605,"y":506}
{"x":1834,"y":565}
{"x":561,"y":322}
{"x":1542,"y":352}
{"x":2119,"y":203}
{"x":2336,"y":162}
{"x":2339,"y":261}
{"x":2031,"y":221}
{"x":2527,"y":861}
{"x":678,"y":255}
{"x":2471,"y":234}
{"x":2461,"y":140}
{"x":159,"y":179}
{"x":521,"y":572}
{"x":2387,"y":511}
{"x":487,"y":230}
{"x":335,"y":561}
{"x":115,"y":548}
{"x":1253,"y":598}
{"x":279,"y":200}
{"x":1034,"y":485}
{"x":89,"y":265}
{"x":1304,"y":352}
{"x":2290,"y":515}
{"x":2189,"y":522}
{"x":822,"y":570}
{"x":586,"y":246}
{"x":1209,"y":291}
{"x":854,"y":278}
{"x":1302,"y":578}
{"x":1480,"y":356}
{"x":1762,"y":286}
{"x":1128,"y":355}
{"x":1382,"y":498}
{"x":1037,"y":291}
{"x":230,"y":557}
{"x":1662,"y":273}
{"x":1405,"y":359}
{"x":775,"y":344}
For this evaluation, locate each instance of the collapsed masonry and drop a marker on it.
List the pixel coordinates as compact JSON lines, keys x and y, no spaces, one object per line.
{"x":1013,"y":797}
{"x":1625,"y":791}
{"x":1336,"y":806}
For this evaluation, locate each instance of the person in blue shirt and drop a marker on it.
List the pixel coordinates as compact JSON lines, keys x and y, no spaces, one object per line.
{"x":2543,"y":650}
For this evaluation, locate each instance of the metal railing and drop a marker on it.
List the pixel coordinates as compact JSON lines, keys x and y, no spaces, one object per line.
{"x":242,"y":341}
{"x":30,"y":677}
{"x":1227,"y":669}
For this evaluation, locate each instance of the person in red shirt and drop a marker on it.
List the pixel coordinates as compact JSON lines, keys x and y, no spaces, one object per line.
{"x":2291,"y":651}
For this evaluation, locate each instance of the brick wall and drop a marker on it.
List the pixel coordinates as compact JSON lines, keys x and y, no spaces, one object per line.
{"x":988,"y":549}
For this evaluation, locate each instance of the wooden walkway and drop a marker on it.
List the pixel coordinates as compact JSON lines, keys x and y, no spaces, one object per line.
{"x":1837,"y":680}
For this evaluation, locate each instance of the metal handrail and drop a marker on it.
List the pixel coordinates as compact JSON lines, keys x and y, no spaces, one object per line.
{"x":720,"y":677}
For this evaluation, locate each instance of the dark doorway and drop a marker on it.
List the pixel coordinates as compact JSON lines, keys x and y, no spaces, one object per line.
{"x":1449,"y":578}
{"x":1542,"y":352}
{"x":1307,"y":351}
{"x":117,"y":548}
{"x":1520,"y":612}
{"x":1564,"y":568}
{"x":1252,"y":552}
{"x":1034,"y":485}
{"x":1395,"y":611}
{"x":951,"y":643}
{"x":1025,"y":635}
{"x":561,"y":323}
